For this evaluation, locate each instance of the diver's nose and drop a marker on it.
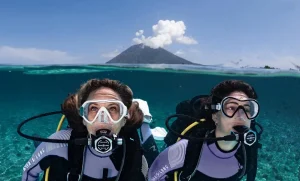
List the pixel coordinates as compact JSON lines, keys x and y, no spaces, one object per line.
{"x":240,"y":115}
{"x":240,"y":112}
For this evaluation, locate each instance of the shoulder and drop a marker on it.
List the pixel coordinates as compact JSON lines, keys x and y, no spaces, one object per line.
{"x":176,"y":153}
{"x":168,"y":160}
{"x":61,"y":135}
{"x":46,"y":149}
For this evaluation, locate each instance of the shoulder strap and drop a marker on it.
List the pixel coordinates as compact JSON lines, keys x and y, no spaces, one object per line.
{"x":251,"y":157}
{"x":192,"y":156}
{"x":251,"y":169}
{"x":258,"y":144}
{"x":132,"y":169}
{"x":191,"y":160}
{"x":75,"y":157}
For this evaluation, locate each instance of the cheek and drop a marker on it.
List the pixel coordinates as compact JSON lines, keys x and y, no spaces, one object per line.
{"x":226,"y":122}
{"x":90,"y":128}
{"x":117,"y":127}
{"x":248,"y":123}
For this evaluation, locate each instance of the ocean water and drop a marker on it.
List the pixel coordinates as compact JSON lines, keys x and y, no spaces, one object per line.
{"x":28,"y":91}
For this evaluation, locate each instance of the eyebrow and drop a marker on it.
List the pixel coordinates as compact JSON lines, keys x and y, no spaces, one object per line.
{"x":108,"y":104}
{"x":232,"y":102}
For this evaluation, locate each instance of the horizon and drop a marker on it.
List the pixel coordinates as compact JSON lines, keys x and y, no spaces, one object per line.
{"x":230,"y":33}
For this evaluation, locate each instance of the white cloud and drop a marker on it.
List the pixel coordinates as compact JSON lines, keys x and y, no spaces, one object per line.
{"x":165,"y":32}
{"x":186,"y":40}
{"x":14,"y":55}
{"x":111,"y":54}
{"x":179,"y":52}
{"x":139,"y":33}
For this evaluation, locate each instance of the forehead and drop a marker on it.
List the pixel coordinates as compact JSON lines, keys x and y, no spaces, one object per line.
{"x":239,"y":95}
{"x":104,"y":93}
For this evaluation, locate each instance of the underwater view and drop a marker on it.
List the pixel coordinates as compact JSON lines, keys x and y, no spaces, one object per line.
{"x":27,"y":91}
{"x":213,"y":90}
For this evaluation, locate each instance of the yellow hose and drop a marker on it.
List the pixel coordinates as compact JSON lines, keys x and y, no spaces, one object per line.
{"x":183,"y":133}
{"x":57,"y":129}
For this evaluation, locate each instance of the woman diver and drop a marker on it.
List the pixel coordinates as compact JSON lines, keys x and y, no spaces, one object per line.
{"x":228,"y":113}
{"x":105,"y":144}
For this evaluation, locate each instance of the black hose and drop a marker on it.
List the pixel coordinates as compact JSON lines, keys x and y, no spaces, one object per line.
{"x":80,"y":141}
{"x":226,"y":138}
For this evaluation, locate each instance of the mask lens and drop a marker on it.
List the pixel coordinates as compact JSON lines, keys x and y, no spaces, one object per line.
{"x":232,"y":106}
{"x":103,"y":110}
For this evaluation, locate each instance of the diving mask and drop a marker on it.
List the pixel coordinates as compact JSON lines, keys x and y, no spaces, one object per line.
{"x":231,"y":105}
{"x":105,"y":111}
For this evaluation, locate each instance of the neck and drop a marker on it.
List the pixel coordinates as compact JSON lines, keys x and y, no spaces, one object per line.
{"x":224,"y":145}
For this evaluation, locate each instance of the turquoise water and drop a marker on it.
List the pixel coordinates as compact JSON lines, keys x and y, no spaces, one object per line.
{"x":33,"y":90}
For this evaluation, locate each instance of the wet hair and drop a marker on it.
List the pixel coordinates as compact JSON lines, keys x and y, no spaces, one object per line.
{"x":226,"y":87}
{"x":125,"y":93}
{"x":69,"y":109}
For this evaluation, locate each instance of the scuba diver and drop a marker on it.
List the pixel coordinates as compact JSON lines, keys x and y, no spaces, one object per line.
{"x":213,"y":138}
{"x":147,"y":135}
{"x":101,"y":141}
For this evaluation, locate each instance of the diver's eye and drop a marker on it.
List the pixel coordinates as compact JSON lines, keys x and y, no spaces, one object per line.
{"x":231,"y":108}
{"x":247,"y":110}
{"x":94,"y":108}
{"x":112,"y":109}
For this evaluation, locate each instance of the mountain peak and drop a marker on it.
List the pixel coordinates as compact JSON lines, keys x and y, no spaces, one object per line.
{"x":141,"y":54}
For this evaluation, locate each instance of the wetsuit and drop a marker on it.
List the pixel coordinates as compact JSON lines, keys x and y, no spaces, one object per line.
{"x":94,"y":161}
{"x":214,"y":164}
{"x":148,"y":143}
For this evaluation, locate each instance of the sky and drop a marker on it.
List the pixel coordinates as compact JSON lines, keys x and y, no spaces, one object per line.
{"x":211,"y":32}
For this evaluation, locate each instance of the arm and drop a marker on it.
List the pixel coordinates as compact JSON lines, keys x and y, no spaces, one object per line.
{"x":170,"y":159}
{"x":32,"y":168}
{"x":148,"y":143}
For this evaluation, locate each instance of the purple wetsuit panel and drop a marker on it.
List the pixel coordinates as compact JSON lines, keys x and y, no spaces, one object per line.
{"x":94,"y":162}
{"x":213,"y":162}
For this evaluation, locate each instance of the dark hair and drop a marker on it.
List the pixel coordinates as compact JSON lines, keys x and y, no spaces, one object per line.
{"x":226,"y":87}
{"x":69,"y":109}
